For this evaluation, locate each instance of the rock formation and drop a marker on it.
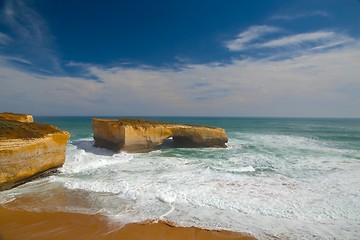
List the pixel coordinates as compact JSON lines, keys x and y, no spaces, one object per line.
{"x":17,"y":117}
{"x":28,"y":150}
{"x":136,"y":135}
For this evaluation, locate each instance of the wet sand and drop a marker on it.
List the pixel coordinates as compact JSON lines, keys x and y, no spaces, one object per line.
{"x":21,"y":224}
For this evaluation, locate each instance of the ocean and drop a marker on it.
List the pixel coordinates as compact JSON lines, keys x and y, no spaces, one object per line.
{"x":291,"y":178}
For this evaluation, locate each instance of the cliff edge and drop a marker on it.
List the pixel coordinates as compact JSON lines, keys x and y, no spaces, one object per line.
{"x":28,"y":149}
{"x":17,"y":117}
{"x":137,"y":135}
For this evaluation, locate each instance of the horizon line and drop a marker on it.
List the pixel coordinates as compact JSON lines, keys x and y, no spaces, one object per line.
{"x":189,"y":116}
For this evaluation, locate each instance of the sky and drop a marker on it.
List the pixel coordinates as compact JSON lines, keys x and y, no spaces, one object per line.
{"x":250,"y":58}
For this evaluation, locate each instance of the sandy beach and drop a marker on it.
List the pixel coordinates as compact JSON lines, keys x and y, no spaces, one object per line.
{"x":21,"y":224}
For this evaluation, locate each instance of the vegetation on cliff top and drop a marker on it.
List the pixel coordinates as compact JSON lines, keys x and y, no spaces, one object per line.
{"x":15,"y":114}
{"x":143,"y":123}
{"x":137,"y":122}
{"x":140,"y":122}
{"x":13,"y":129}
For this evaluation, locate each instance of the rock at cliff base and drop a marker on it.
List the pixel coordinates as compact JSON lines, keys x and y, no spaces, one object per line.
{"x":137,"y":135}
{"x":28,"y":149}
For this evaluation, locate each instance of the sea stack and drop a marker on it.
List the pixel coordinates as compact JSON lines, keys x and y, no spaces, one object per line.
{"x":28,"y":149}
{"x":138,"y":135}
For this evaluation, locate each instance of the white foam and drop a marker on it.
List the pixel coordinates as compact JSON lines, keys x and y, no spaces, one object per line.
{"x":247,"y":169}
{"x":90,"y":158}
{"x":166,"y":196}
{"x":7,"y":198}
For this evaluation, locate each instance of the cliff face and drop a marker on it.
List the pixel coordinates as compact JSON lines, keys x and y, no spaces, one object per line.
{"x":28,"y":150}
{"x":133,"y":135}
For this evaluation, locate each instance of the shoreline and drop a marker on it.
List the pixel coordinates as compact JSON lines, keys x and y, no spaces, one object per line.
{"x":21,"y":224}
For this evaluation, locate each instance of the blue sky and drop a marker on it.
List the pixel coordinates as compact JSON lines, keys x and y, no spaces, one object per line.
{"x":180,"y":58}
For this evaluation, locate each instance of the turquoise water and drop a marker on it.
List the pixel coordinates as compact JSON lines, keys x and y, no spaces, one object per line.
{"x":289,"y":178}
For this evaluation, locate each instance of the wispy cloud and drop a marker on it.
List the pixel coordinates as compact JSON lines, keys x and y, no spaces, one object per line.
{"x":319,"y":13}
{"x":4,"y":39}
{"x":16,"y":59}
{"x":243,"y":39}
{"x":299,"y":38}
{"x":313,"y":40}
{"x":334,"y":43}
{"x":258,"y":37}
{"x":30,"y":36}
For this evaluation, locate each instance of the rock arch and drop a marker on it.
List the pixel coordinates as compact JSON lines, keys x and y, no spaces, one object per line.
{"x":134,"y":135}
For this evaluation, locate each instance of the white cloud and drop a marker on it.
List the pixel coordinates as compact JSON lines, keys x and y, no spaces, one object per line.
{"x":4,"y":39}
{"x":244,"y":38}
{"x":324,"y":84}
{"x":334,"y":43}
{"x":299,"y":38}
{"x":253,"y":38}
{"x":300,"y":15}
{"x":313,"y":41}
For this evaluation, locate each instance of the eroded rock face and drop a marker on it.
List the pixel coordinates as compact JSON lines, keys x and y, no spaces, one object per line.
{"x":134,"y":135}
{"x":28,"y":150}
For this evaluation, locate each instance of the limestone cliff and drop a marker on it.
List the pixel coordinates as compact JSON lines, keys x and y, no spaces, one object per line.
{"x":17,"y":117}
{"x":136,"y":135}
{"x":28,"y":150}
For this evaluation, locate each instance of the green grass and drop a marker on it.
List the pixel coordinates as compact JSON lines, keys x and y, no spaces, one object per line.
{"x":13,"y":129}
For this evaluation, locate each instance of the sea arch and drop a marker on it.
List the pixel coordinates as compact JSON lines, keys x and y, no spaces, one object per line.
{"x":134,"y":135}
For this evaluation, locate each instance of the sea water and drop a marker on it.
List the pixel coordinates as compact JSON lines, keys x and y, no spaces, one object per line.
{"x":278,"y":177}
